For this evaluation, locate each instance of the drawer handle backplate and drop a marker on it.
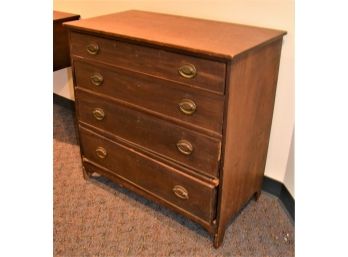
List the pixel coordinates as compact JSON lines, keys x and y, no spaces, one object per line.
{"x":187,"y":106}
{"x":101,"y":152}
{"x":188,"y":71}
{"x":181,"y":192}
{"x":98,"y":113}
{"x":184,"y":146}
{"x":97,"y":79}
{"x":93,"y":48}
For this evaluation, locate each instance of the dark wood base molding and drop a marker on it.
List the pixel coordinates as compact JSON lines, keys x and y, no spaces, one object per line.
{"x":279,"y":190}
{"x":269,"y":185}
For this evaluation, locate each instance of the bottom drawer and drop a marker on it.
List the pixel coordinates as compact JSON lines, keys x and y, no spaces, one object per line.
{"x":165,"y":183}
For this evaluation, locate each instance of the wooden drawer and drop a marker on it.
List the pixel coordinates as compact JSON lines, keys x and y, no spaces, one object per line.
{"x":162,"y":137}
{"x":160,"y":180}
{"x":206,"y":73}
{"x":195,"y":107}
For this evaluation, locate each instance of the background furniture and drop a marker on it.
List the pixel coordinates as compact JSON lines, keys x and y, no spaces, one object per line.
{"x":61,"y":57}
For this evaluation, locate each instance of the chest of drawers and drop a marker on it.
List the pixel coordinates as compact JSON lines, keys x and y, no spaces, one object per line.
{"x":177,"y":109}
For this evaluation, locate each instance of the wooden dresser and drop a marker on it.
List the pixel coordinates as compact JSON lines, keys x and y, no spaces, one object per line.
{"x":176,"y":109}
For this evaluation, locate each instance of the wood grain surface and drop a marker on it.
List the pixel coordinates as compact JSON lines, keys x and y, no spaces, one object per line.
{"x":160,"y":96}
{"x":164,"y":64}
{"x":150,"y":132}
{"x":132,"y":166}
{"x":64,"y":16}
{"x":220,"y":39}
{"x":251,"y":93}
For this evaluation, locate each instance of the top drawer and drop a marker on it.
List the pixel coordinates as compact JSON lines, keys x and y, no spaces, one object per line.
{"x":197,"y":72}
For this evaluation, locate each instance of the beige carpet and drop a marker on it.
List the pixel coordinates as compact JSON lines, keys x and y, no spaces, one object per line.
{"x":98,"y":218}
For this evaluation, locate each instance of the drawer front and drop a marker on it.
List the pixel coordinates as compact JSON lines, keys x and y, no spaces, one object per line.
{"x":189,"y":70}
{"x":192,"y":106}
{"x":161,"y":180}
{"x":185,"y":146}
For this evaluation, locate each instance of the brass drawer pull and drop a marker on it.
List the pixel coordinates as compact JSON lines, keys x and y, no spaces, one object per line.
{"x":180,"y":192}
{"x":93,"y":48}
{"x":98,"y":113}
{"x":188,"y":71}
{"x":184,"y":146}
{"x":187,"y":106}
{"x":97,"y":79}
{"x":101,"y":152}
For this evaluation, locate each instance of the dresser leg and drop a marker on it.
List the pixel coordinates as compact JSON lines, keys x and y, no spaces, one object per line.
{"x":218,"y":238}
{"x":257,"y":195}
{"x":86,"y":174}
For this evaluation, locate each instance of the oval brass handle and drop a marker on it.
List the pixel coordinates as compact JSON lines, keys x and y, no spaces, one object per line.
{"x":98,"y":113}
{"x":181,"y":192}
{"x":101,"y":152}
{"x":92,"y":48}
{"x":97,"y":79}
{"x":188,"y":71}
{"x":187,"y":106}
{"x":184,"y":146}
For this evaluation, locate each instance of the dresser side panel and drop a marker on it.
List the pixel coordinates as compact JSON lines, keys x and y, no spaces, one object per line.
{"x":251,"y":94}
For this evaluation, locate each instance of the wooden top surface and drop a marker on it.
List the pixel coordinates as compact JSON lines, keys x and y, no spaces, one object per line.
{"x":213,"y":38}
{"x":60,"y":16}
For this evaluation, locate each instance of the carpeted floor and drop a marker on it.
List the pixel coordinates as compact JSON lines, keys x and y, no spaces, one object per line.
{"x":98,"y":218}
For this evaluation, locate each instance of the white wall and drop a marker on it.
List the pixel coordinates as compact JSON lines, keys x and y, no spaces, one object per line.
{"x":63,"y":83}
{"x":277,"y":14}
{"x":289,"y":174}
